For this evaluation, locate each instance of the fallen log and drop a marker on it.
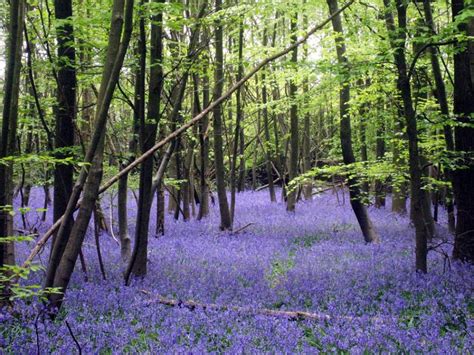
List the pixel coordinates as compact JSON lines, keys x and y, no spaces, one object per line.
{"x":192,"y":305}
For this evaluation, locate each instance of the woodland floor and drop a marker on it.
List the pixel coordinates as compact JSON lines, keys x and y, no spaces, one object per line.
{"x":314,"y":260}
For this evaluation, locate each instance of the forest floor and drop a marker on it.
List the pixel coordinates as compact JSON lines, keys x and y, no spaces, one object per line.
{"x":314,"y":260}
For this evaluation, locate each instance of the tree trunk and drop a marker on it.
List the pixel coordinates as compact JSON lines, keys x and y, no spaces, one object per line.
{"x":397,"y":42}
{"x":204,"y":151}
{"x":294,"y":134}
{"x":306,"y":149}
{"x":360,"y":210}
{"x":65,"y":112}
{"x":226,"y":219}
{"x":440,"y":92}
{"x":464,"y":142}
{"x":399,"y":193}
{"x":148,"y":130}
{"x":238,"y":126}
{"x":8,"y":135}
{"x":124,"y":236}
{"x":379,"y":153}
{"x":363,"y":139}
{"x":266,"y":129}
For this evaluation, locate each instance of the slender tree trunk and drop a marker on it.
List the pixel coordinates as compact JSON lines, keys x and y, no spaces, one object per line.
{"x":266,"y":129}
{"x":188,"y":169}
{"x":360,"y":210}
{"x":464,"y":142}
{"x":160,"y":210}
{"x":138,"y":112}
{"x":8,"y":135}
{"x":380,"y":153}
{"x":294,"y":134}
{"x":399,"y":192}
{"x":124,"y":236}
{"x":363,"y":139}
{"x":238,"y":126}
{"x":397,"y":41}
{"x":226,"y":219}
{"x":306,"y":149}
{"x":268,"y":147}
{"x":308,"y":186}
{"x":204,"y":150}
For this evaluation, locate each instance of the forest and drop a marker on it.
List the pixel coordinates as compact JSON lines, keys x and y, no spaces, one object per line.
{"x":237,"y":176}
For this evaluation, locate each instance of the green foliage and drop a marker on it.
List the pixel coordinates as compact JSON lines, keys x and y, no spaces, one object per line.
{"x":11,"y":274}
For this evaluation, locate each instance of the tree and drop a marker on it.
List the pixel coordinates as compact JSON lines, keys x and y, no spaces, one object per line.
{"x":8,"y":135}
{"x":147,"y":137}
{"x":464,"y":133}
{"x":397,"y":41}
{"x":360,"y":210}
{"x":226,"y":219}
{"x":294,"y":136}
{"x":266,"y":129}
{"x":65,"y":110}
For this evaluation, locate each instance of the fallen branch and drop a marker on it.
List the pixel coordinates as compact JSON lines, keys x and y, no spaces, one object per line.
{"x":265,"y":186}
{"x":242,"y":228}
{"x":192,"y":305}
{"x":319,"y":190}
{"x":39,"y":245}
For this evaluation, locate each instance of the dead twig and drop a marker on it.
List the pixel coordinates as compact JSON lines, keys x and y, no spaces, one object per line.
{"x":242,"y":228}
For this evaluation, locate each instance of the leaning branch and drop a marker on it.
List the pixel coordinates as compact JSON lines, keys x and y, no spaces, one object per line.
{"x":39,"y":245}
{"x":420,"y":52}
